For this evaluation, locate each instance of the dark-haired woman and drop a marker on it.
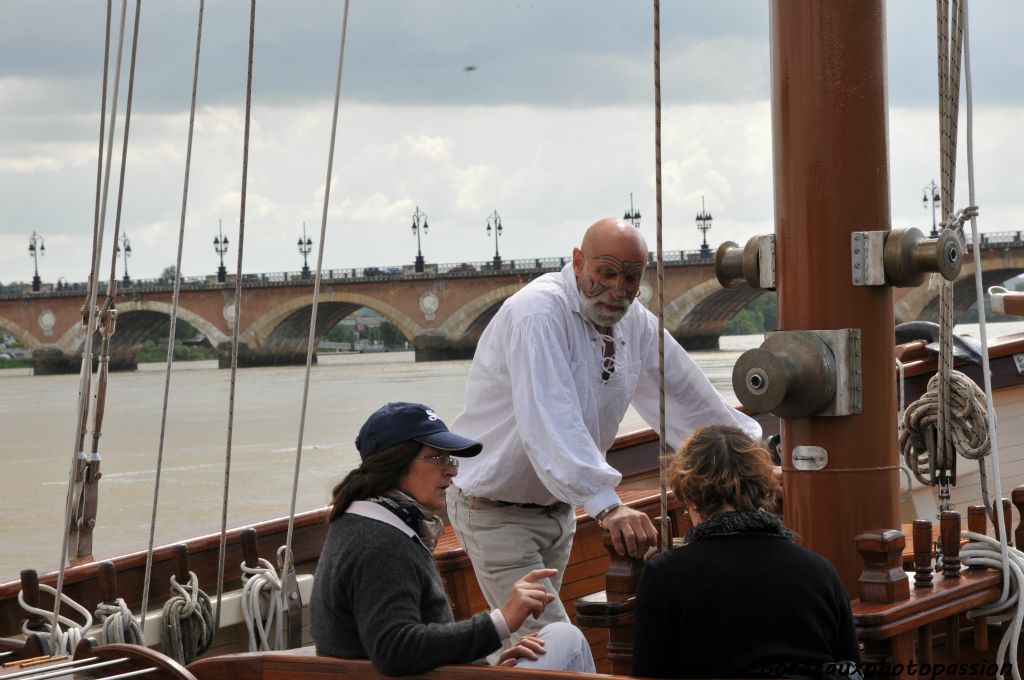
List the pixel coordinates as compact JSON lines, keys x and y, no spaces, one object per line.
{"x":377,"y":592}
{"x":739,"y":598}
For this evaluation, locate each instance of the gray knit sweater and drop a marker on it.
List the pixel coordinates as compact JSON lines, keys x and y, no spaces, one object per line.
{"x":378,"y":595}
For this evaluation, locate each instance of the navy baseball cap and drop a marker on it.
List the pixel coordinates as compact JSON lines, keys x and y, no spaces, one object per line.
{"x":400,"y":421}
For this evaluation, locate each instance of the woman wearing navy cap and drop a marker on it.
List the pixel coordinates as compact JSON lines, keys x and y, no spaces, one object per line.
{"x":377,"y":592}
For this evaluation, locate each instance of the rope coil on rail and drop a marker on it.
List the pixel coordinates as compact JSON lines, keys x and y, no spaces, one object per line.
{"x":187,"y":629}
{"x":119,"y":626}
{"x":968,"y":426}
{"x":61,"y":641}
{"x":263,"y":607}
{"x":985,"y":551}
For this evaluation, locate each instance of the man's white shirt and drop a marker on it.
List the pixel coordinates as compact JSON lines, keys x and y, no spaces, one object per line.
{"x":538,"y":401}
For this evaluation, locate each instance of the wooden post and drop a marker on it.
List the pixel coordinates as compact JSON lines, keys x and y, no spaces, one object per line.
{"x":1018,"y":500}
{"x":949,"y":528}
{"x":922,"y":553}
{"x":108,"y":582}
{"x":831,"y":178}
{"x":30,"y":590}
{"x":179,"y":563}
{"x":883,"y":578}
{"x":250,"y":552}
{"x":1007,"y":521}
{"x":613,"y":608}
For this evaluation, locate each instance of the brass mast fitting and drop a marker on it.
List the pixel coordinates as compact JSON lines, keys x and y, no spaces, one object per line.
{"x":902,"y":257}
{"x":796,"y":374}
{"x":908,"y":256}
{"x":753,"y":263}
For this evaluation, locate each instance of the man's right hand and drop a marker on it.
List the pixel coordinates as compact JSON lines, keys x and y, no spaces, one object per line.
{"x":527,"y":597}
{"x":632,"y":531}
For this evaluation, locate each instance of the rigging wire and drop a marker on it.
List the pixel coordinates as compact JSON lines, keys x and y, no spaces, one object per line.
{"x":84,"y":390}
{"x":287,"y":561}
{"x":235,"y":323}
{"x":999,"y":518}
{"x":662,"y":455}
{"x":174,"y":319}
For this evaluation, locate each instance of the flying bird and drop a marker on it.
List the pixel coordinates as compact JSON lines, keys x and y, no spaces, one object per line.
{"x":471,"y":67}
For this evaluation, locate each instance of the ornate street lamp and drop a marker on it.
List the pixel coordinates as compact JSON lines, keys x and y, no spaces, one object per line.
{"x":36,"y":247}
{"x":305,"y":246}
{"x":703,"y":224}
{"x":495,"y":220}
{"x":126,"y":245}
{"x":220,"y":246}
{"x":632,"y":215}
{"x":931,"y":189}
{"x":416,"y":226}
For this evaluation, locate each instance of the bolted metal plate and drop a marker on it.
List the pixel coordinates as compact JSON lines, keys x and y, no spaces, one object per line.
{"x":809,"y":458}
{"x":866,"y":257}
{"x":766,"y":261}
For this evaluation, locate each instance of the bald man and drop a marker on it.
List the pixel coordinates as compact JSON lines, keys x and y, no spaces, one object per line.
{"x":552,"y":377}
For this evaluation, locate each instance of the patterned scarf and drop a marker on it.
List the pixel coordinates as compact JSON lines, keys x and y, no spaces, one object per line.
{"x":417,"y":517}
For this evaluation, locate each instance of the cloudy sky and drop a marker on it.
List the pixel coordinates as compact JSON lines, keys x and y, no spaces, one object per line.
{"x":553,"y":127}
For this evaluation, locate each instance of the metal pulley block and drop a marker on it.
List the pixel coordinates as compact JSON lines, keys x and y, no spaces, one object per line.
{"x":753,"y":263}
{"x":902,"y":257}
{"x":797,"y":374}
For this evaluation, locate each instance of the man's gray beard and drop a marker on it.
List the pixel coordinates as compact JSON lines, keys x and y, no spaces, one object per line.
{"x":599,"y":316}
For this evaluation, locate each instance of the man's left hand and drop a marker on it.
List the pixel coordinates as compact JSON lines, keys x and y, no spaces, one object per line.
{"x":779,"y":491}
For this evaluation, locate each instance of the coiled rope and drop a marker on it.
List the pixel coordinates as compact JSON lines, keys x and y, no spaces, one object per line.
{"x":984,"y":551}
{"x":119,"y":626}
{"x":62,"y":640}
{"x":263,"y":607}
{"x":187,"y":628}
{"x":968,"y":425}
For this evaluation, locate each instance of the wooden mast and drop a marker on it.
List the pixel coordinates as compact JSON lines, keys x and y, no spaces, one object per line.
{"x":829,"y":113}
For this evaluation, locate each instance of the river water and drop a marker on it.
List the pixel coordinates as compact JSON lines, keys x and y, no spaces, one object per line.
{"x":37,"y":416}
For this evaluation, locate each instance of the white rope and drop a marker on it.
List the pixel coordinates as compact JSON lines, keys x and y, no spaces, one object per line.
{"x":263,"y":607}
{"x":985,"y":551}
{"x":986,"y":368}
{"x":62,"y":640}
{"x":900,"y":411}
{"x":119,"y":626}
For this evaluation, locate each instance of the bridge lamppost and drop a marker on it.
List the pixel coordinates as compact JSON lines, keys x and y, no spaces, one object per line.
{"x":220,"y":246}
{"x":417,"y":224}
{"x":305,"y":246}
{"x":932,"y":190}
{"x":36,"y":247}
{"x":631,"y":215}
{"x":703,"y":224}
{"x":126,"y":245}
{"x":495,"y":220}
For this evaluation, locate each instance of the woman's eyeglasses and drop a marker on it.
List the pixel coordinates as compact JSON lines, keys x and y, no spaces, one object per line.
{"x":442,"y":461}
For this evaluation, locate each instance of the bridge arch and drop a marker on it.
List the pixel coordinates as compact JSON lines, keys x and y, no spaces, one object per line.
{"x":282,"y":334}
{"x":471,"y":319}
{"x":699,"y":317}
{"x":21,"y":334}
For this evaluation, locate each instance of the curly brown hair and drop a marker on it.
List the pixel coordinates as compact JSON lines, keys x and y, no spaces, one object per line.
{"x":719,"y":467}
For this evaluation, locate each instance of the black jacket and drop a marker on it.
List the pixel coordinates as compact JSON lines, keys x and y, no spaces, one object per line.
{"x":740,"y":599}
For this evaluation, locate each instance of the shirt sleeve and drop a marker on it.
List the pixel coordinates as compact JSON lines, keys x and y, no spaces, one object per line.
{"x":550,"y":417}
{"x":691,"y":401}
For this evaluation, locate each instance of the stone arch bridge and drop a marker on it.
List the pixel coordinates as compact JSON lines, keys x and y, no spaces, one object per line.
{"x":442,"y":312}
